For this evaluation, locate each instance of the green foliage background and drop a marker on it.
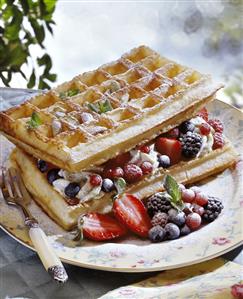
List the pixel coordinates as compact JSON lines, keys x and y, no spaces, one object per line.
{"x":24,"y":23}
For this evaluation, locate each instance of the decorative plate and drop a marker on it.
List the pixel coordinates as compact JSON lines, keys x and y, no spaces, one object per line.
{"x":135,"y":255}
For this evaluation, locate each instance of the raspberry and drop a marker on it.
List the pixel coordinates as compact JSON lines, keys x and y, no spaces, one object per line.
{"x":159,"y":218}
{"x":203,"y":114}
{"x":217,"y":125}
{"x":205,"y":129}
{"x":144,"y":148}
{"x":95,"y":180}
{"x":146,"y":167}
{"x":174,"y":133}
{"x":112,"y":173}
{"x":132,"y":173}
{"x":218,"y":141}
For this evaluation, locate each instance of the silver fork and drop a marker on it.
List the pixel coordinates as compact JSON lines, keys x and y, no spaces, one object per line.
{"x":13,"y":190}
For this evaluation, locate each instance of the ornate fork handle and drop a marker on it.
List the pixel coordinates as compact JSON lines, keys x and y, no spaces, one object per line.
{"x":50,"y":260}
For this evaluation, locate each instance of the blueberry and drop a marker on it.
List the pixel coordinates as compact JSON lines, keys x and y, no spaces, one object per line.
{"x":72,"y":190}
{"x":178,"y":218}
{"x":164,"y":161}
{"x":156,"y":234}
{"x":172,"y":231}
{"x":53,"y":175}
{"x":107,"y":185}
{"x":186,"y":126}
{"x":42,"y":165}
{"x":185,"y":230}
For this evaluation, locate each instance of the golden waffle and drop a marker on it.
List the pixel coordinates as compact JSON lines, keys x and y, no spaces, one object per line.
{"x":65,"y":215}
{"x":146,"y":93}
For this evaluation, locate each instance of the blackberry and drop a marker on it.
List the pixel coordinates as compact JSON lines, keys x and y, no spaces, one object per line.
{"x":159,"y":202}
{"x":191,"y":144}
{"x":159,"y":218}
{"x":212,"y":209}
{"x":186,"y":126}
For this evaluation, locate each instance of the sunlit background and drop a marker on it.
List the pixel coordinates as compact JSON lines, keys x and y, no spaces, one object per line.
{"x":206,"y":35}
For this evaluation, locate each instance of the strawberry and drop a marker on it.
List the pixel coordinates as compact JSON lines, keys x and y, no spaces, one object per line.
{"x":131,"y":212}
{"x":170,"y":147}
{"x":203,"y":113}
{"x":173,"y":133}
{"x":100,"y":227}
{"x":119,"y":161}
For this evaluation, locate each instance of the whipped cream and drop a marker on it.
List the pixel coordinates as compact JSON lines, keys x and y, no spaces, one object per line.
{"x":139,"y":157}
{"x":87,"y":191}
{"x":207,"y":141}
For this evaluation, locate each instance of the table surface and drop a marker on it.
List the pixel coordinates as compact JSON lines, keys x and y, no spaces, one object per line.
{"x":22,"y":274}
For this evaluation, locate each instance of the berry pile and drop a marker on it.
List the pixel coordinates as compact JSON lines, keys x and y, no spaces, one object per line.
{"x":170,"y":223}
{"x":160,"y":220}
{"x":182,"y":142}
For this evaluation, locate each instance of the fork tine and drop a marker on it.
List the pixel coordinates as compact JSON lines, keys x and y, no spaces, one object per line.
{"x":13,"y":175}
{"x":1,"y":183}
{"x":25,"y":194}
{"x":7,"y":182}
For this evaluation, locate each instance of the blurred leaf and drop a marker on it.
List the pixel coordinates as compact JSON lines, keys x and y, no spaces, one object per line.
{"x":39,"y":30}
{"x":25,"y":6}
{"x":42,"y":84}
{"x":51,"y":77}
{"x":16,"y":39}
{"x":17,"y":55}
{"x":32,"y":80}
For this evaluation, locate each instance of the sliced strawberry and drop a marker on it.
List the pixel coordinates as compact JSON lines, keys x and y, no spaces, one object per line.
{"x":169,"y":147}
{"x":119,"y":161}
{"x":203,"y":113}
{"x":100,"y":227}
{"x":131,"y":212}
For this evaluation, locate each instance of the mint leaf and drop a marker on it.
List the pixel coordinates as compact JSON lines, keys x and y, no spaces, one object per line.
{"x":101,"y":107}
{"x":34,"y":121}
{"x":172,"y":188}
{"x":120,"y":185}
{"x":105,"y":106}
{"x":93,"y":107}
{"x":69,"y":93}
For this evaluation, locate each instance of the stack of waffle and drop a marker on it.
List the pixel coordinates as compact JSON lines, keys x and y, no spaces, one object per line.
{"x":99,"y":114}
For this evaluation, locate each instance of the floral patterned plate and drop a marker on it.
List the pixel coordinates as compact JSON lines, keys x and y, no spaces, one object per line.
{"x":135,"y":255}
{"x":213,"y":279}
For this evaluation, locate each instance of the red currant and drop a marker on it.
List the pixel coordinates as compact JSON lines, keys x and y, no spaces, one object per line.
{"x":205,"y":129}
{"x":146,"y":167}
{"x":144,"y":148}
{"x":188,"y":195}
{"x":193,"y":220}
{"x":201,"y":199}
{"x":95,"y":180}
{"x":195,"y":189}
{"x":198,"y":209}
